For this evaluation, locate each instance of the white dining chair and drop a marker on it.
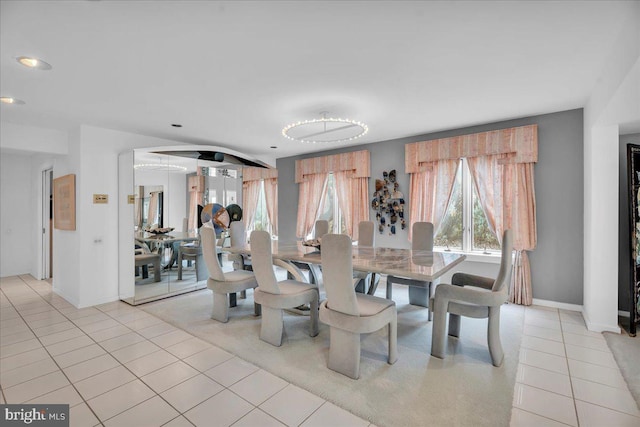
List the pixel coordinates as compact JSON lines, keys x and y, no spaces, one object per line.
{"x":348,"y":313}
{"x":366,"y":239}
{"x":275,"y":296}
{"x":419,"y":290}
{"x":222,"y":284}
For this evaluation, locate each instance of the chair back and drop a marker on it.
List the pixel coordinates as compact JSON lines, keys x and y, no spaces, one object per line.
{"x":337,"y":271}
{"x":422,"y":239}
{"x":262,"y":262}
{"x":366,"y":236}
{"x":321,"y":228}
{"x":208,"y":243}
{"x":238,"y":234}
{"x":504,"y":275}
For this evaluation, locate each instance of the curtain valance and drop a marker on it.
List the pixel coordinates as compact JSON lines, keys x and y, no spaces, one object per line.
{"x":256,"y":174}
{"x":519,"y":143}
{"x":356,"y":161}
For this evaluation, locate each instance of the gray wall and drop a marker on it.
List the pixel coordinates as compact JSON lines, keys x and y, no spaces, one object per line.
{"x":557,"y":262}
{"x":624,"y":249}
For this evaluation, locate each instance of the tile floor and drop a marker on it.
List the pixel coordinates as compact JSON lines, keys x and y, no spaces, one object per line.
{"x":119,"y":366}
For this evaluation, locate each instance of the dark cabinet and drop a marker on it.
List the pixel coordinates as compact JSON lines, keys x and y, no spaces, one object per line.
{"x":633,"y":174}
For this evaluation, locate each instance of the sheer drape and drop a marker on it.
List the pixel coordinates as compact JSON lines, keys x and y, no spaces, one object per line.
{"x":344,"y":191}
{"x":430,"y":192}
{"x":250,"y":194}
{"x":271,"y":199}
{"x":311,"y":192}
{"x":507,"y":195}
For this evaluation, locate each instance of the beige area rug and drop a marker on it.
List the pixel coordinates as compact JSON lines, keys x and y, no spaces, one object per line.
{"x":418,"y":390}
{"x":626,"y":351}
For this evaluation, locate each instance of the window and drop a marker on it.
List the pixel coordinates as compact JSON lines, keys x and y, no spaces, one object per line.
{"x":464,"y":226}
{"x":330,"y":208}
{"x":261,"y":220}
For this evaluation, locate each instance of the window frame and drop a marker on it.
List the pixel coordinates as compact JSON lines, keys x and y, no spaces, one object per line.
{"x":466,"y":182}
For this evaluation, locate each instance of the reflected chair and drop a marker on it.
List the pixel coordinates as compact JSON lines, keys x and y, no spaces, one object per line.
{"x":275,"y":296}
{"x":349,"y":314}
{"x":223,"y":284}
{"x":473,"y":296}
{"x":419,"y":290}
{"x":366,"y":239}
{"x":321,"y":228}
{"x":144,"y":257}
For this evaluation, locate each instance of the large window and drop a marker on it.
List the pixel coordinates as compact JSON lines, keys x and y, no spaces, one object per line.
{"x":330,"y":208}
{"x":465,"y":227}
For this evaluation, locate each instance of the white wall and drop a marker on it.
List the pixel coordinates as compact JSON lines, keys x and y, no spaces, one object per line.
{"x":605,"y":110}
{"x":33,"y":139}
{"x":16,"y":225}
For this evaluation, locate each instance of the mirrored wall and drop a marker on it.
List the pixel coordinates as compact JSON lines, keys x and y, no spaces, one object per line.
{"x":164,"y":197}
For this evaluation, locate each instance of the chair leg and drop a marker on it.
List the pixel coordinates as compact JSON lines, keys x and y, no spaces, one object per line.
{"x":313,"y":318}
{"x":344,"y":352}
{"x":454,"y":325}
{"x":179,"y":264}
{"x":220,"y":308}
{"x":393,"y":340}
{"x":272,"y":326}
{"x":389,"y":289}
{"x":493,"y":336}
{"x":243,"y":294}
{"x":438,"y":334}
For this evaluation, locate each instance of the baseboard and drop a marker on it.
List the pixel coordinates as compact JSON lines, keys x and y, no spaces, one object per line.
{"x":624,"y":313}
{"x":99,"y":301}
{"x":555,"y":304}
{"x":600,"y":327}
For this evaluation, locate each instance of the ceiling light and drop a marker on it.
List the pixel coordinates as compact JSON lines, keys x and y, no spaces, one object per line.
{"x":165,"y":167}
{"x":325,"y":129}
{"x":36,"y":63}
{"x":9,"y":100}
{"x":176,"y":125}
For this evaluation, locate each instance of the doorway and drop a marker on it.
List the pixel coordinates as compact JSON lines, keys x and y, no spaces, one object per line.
{"x":47,"y":224}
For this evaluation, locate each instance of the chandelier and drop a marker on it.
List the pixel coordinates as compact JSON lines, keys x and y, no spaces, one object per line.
{"x":325,"y":129}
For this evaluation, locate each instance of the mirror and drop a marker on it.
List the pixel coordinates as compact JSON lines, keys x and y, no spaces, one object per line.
{"x":165,"y":245}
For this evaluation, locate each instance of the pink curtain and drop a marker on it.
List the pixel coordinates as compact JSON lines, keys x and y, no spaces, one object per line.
{"x":250,"y":194}
{"x":430,"y":192}
{"x":311,"y":194}
{"x":507,"y":195}
{"x":271,"y":198}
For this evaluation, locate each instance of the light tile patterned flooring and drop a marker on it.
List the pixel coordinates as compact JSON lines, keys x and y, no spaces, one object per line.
{"x":117,"y":366}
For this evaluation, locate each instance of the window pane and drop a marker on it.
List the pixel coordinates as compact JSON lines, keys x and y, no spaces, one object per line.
{"x":261,"y":221}
{"x":450,"y":233}
{"x":483,"y":238}
{"x":330,"y":209}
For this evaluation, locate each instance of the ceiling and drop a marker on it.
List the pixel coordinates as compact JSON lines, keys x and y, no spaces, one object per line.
{"x":235,"y":73}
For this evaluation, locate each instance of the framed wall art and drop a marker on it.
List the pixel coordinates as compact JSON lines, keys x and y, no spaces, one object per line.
{"x":64,"y":202}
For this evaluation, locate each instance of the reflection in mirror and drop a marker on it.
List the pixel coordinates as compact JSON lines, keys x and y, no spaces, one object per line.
{"x":148,"y":207}
{"x":170,"y":192}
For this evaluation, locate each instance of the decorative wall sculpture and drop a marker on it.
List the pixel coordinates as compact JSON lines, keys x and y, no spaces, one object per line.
{"x":388,"y":202}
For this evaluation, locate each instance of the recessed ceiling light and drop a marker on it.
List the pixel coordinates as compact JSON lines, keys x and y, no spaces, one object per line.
{"x":176,"y":125}
{"x":35,"y":63}
{"x":273,"y":146}
{"x":9,"y":100}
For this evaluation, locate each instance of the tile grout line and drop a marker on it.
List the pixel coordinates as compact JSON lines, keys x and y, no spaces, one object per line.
{"x":573,"y":394}
{"x":51,"y":356}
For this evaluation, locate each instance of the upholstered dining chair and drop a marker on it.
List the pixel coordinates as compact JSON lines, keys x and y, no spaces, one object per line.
{"x":321,"y":228}
{"x":473,"y":296}
{"x":275,"y":296}
{"x":366,"y":239}
{"x":419,"y":290}
{"x":238,"y":237}
{"x":349,"y":314}
{"x":223,"y":284}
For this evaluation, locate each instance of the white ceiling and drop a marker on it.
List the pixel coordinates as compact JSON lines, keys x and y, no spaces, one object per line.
{"x":234,"y":73}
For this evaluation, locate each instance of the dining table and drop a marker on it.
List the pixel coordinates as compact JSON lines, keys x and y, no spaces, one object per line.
{"x":413,"y":264}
